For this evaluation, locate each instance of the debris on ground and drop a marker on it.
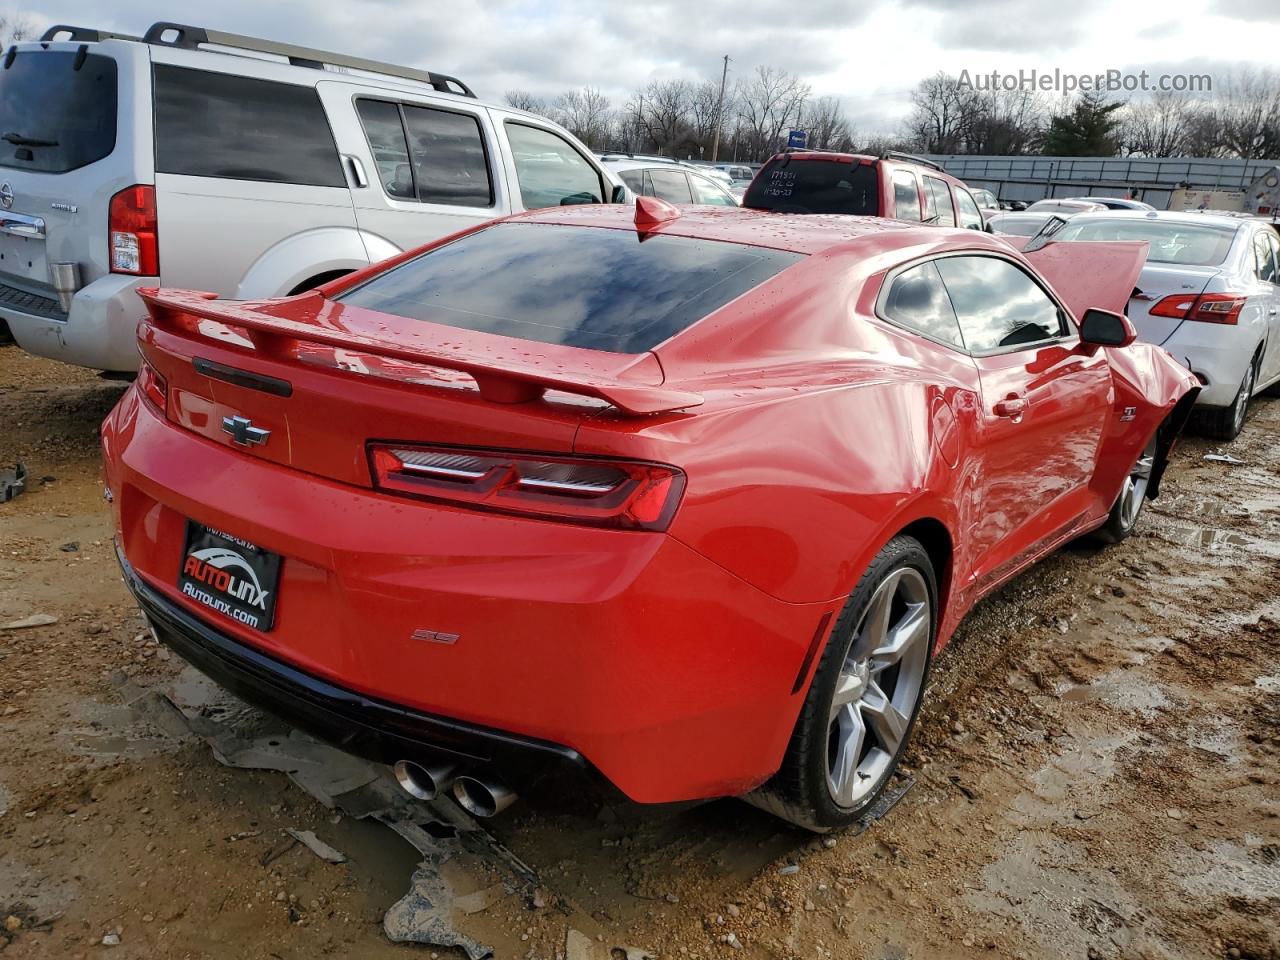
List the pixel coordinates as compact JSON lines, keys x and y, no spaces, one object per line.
{"x":35,"y":620}
{"x":317,"y":846}
{"x":1223,"y":458}
{"x":12,"y":482}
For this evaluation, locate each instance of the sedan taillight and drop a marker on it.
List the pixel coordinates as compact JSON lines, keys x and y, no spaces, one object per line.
{"x":628,"y":495}
{"x":131,"y":232}
{"x":1206,"y":308}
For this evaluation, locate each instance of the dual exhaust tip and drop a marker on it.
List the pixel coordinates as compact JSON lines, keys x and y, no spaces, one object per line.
{"x":480,"y":798}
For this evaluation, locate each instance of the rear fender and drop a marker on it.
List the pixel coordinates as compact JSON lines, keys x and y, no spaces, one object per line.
{"x":298,"y":258}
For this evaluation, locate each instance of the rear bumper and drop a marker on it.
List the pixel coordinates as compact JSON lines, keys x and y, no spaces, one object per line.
{"x":362,"y":725}
{"x":671,"y":675}
{"x":1218,"y":354}
{"x":100,"y":332}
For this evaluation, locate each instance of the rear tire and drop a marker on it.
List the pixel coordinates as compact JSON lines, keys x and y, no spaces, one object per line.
{"x":866,"y":692}
{"x":1128,"y":506}
{"x":1225,"y":423}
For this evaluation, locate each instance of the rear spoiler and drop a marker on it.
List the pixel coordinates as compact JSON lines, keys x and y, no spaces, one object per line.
{"x":500,"y":379}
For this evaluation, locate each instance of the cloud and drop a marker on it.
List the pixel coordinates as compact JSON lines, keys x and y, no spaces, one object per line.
{"x":1012,"y":25}
{"x":1251,"y":10}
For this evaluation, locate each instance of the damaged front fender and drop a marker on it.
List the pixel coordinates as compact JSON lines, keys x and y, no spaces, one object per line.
{"x":1154,"y":394}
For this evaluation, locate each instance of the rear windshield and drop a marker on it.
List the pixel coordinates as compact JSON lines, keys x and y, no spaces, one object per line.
{"x":602,"y":289}
{"x":1189,"y":244}
{"x":54,"y":117}
{"x":792,"y":185}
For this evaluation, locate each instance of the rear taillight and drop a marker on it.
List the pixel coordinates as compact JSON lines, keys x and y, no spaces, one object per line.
{"x":607,"y":493}
{"x":131,"y":232}
{"x":1206,"y":308}
{"x":153,"y":386}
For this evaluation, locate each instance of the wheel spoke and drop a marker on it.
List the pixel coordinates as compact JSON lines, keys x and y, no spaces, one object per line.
{"x":851,"y":732}
{"x":903,"y":637}
{"x":875,"y":624}
{"x":848,"y":689}
{"x":888,"y":722}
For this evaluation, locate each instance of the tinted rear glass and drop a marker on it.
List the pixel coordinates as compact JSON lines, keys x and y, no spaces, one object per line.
{"x":53,"y":117}
{"x":792,"y":185}
{"x":238,"y":128}
{"x":578,"y":286}
{"x":1191,"y":244}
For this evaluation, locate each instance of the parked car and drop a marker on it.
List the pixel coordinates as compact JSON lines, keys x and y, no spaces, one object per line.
{"x":986,"y":201}
{"x":1065,"y":206}
{"x":1026,"y":224}
{"x":895,"y":185}
{"x":246,"y":168}
{"x":1115,"y":203}
{"x":741,"y":175}
{"x":575,"y":490}
{"x":1210,"y":293}
{"x":669,"y":180}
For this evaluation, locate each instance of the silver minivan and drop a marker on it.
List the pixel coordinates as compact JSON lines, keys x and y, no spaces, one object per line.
{"x":252,"y":169}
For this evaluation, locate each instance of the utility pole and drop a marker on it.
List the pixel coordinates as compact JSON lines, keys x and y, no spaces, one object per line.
{"x":715,"y":145}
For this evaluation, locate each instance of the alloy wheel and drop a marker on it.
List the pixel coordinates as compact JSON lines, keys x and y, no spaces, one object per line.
{"x":878,"y":687}
{"x":1135,"y":485}
{"x":1242,"y":399}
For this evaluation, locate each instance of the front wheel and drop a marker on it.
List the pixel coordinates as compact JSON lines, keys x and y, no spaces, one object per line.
{"x":866,"y":692}
{"x":1125,"y":511}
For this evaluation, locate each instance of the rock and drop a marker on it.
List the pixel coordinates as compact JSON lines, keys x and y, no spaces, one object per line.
{"x":788,"y":870}
{"x":578,"y":946}
{"x":671,"y":898}
{"x":732,"y":940}
{"x":111,"y":940}
{"x":35,"y":620}
{"x":1173,"y":813}
{"x":829,"y":842}
{"x":12,"y":924}
{"x":733,"y":910}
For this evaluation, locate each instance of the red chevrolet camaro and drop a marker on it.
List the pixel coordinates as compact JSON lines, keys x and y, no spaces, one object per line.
{"x":685,"y":500}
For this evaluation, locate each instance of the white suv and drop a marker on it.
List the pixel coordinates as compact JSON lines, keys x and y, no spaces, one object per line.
{"x":252,"y":169}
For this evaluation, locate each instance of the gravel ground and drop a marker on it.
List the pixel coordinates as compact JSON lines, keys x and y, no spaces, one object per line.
{"x":1096,"y":770}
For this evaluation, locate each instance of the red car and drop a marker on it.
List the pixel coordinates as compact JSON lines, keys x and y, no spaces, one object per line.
{"x":686,"y":500}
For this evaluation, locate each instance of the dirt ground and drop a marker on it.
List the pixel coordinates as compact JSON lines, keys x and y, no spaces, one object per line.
{"x":1096,"y":770}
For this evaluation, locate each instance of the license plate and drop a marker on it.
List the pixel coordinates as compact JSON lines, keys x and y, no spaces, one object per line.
{"x":230,"y":575}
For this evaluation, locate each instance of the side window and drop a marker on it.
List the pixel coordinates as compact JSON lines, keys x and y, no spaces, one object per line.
{"x":634,"y":179}
{"x":237,"y":128}
{"x":1264,"y":258}
{"x":449,"y":161}
{"x":998,"y":305}
{"x":705,"y":191}
{"x":906,"y":198}
{"x":671,"y":186}
{"x":550,"y":171}
{"x":918,"y":300}
{"x":944,"y":213}
{"x":970,"y":215}
{"x":385,"y":133}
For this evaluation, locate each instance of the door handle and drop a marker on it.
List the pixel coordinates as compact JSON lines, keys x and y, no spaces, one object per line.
{"x":1011,"y":408}
{"x":356,"y":169}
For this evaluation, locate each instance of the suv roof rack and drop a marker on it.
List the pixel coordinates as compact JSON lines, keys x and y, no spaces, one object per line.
{"x":190,"y":38}
{"x":82,"y":34}
{"x":911,"y":158}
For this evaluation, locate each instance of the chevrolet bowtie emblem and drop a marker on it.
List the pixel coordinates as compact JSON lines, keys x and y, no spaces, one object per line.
{"x":244,"y":432}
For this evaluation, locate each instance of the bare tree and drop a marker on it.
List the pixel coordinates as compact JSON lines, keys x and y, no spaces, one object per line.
{"x":1005,"y":123}
{"x":767,"y":103}
{"x":943,"y":115}
{"x":586,"y":114}
{"x":524,"y":100}
{"x":662,"y":112}
{"x":1250,"y":114}
{"x":827,"y":125}
{"x":1160,"y":126}
{"x":14,"y":28}
{"x":703,"y":104}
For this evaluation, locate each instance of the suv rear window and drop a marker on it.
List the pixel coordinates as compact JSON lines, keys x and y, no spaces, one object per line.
{"x":794,"y":185}
{"x":54,"y":118}
{"x":238,"y":128}
{"x":602,"y":289}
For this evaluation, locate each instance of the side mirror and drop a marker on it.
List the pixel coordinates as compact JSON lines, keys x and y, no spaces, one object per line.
{"x":1106,"y":329}
{"x":619,"y":194}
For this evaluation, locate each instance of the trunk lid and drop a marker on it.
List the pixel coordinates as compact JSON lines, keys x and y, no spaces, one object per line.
{"x":324,"y":379}
{"x":1154,"y":284}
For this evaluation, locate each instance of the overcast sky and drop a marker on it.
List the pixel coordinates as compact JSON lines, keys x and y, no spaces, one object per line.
{"x":868,"y":52}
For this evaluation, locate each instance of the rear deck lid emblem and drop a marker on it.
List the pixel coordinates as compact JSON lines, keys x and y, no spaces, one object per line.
{"x":244,"y":432}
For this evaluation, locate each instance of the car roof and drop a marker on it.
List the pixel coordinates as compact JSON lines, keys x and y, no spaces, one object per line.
{"x":836,"y":156}
{"x":648,"y":163}
{"x":798,"y":233}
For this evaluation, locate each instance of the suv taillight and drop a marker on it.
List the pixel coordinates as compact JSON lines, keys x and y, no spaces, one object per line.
{"x":1206,"y":308}
{"x":608,"y":493}
{"x":131,"y":232}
